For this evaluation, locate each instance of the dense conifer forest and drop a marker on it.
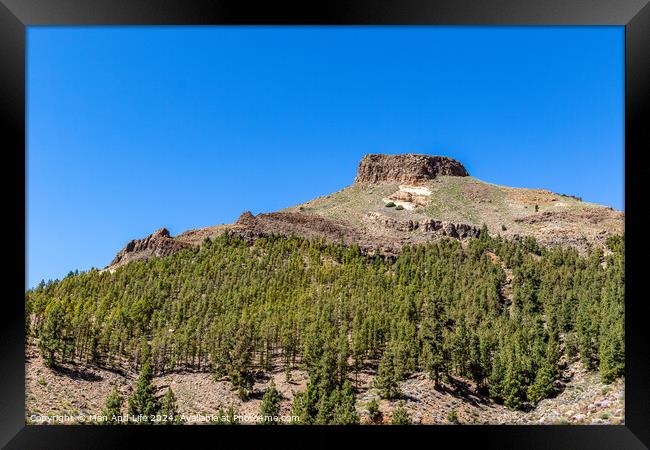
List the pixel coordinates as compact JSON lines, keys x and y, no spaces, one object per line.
{"x":502,"y":313}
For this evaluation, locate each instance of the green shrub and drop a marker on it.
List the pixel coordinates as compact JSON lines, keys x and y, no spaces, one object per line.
{"x":399,"y":207}
{"x":375,"y":414}
{"x":389,"y":205}
{"x":271,"y":404}
{"x":401,"y":415}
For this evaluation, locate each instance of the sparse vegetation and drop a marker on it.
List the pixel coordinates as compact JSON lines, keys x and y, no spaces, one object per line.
{"x":389,"y":205}
{"x":400,"y":415}
{"x":471,"y":201}
{"x":375,"y":415}
{"x":169,"y":410}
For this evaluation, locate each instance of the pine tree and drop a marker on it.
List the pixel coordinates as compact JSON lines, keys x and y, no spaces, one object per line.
{"x":345,"y":412}
{"x":570,"y":345}
{"x":50,"y":341}
{"x":386,"y":380}
{"x":612,"y":356}
{"x":546,"y":375}
{"x":239,"y":366}
{"x":299,"y":409}
{"x":358,"y":346}
{"x":168,"y":409}
{"x":483,"y":234}
{"x":270,"y":408}
{"x":226,"y":416}
{"x":433,"y":338}
{"x":375,"y":415}
{"x":343,"y":352}
{"x":326,"y":406}
{"x":612,"y":326}
{"x":307,"y":405}
{"x":143,"y":401}
{"x":113,"y":408}
{"x":496,"y":378}
{"x":400,"y":415}
{"x":513,"y":385}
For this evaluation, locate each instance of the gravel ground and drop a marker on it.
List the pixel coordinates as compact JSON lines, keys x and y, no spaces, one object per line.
{"x":82,"y":391}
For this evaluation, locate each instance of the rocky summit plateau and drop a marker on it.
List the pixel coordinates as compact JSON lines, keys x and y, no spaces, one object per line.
{"x":407,"y":168}
{"x":406,"y":199}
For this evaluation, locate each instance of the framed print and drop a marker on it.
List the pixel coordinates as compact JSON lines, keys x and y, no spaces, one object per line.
{"x":402,"y":220}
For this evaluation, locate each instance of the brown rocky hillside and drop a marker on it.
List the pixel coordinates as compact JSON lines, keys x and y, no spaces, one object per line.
{"x":408,"y":199}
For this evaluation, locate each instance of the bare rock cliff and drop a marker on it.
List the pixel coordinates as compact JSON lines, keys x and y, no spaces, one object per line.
{"x":441,"y":228}
{"x":158,"y":244}
{"x":407,"y":168}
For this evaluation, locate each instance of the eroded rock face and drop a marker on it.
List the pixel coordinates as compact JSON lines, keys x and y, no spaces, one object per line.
{"x":454,"y":230}
{"x":246,"y":218}
{"x":594,"y":216}
{"x":409,"y":197}
{"x":158,"y":244}
{"x":407,"y":168}
{"x":298,"y":224}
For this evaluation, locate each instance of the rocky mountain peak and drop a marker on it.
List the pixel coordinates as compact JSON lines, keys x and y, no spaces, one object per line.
{"x":161,"y":232}
{"x":158,"y":243}
{"x":246,"y":218}
{"x":406,"y":168}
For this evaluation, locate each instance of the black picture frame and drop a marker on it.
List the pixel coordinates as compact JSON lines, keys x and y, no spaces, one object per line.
{"x":634,"y":15}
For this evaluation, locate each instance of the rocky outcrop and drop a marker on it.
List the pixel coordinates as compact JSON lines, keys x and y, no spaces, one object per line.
{"x":460,"y":230}
{"x":407,"y":168}
{"x":409,"y":197}
{"x":454,"y":230}
{"x":246,"y":218}
{"x":297,"y":224}
{"x":593,"y":216}
{"x":157,"y":244}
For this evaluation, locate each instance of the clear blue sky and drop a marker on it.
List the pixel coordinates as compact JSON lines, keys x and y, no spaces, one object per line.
{"x":133,"y":129}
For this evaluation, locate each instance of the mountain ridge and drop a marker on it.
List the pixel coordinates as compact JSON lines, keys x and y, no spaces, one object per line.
{"x":407,"y":199}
